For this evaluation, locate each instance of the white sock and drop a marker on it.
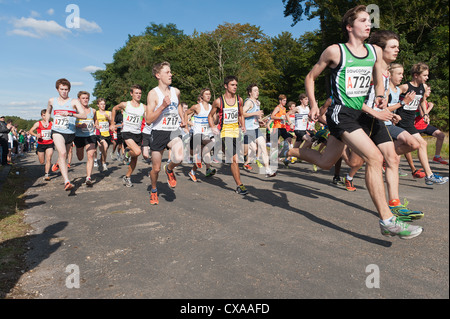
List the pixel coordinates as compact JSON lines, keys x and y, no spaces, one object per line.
{"x":349,"y":178}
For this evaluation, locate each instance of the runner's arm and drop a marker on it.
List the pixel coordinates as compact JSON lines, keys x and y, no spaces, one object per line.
{"x":329,"y":57}
{"x":33,"y":128}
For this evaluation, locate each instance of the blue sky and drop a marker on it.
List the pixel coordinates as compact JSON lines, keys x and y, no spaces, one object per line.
{"x":39,"y":46}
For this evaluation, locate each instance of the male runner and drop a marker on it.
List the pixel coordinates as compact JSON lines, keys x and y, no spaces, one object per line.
{"x":165,"y":112}
{"x":280,"y":118}
{"x":253,"y":116}
{"x":202,"y":140}
{"x":85,"y":138}
{"x":45,"y":143}
{"x":352,"y":66}
{"x":229,"y":107}
{"x":133,"y":114}
{"x":64,"y":111}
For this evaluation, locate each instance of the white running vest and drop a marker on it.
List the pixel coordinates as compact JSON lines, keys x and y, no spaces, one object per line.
{"x":201,"y":124}
{"x":132,"y":118}
{"x":169,"y":120}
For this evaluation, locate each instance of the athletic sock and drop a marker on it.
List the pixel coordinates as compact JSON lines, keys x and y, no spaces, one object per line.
{"x":154,"y":190}
{"x":349,"y":178}
{"x":395,"y":202}
{"x":387,"y":221}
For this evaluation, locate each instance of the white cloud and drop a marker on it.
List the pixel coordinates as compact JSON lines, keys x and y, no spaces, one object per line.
{"x":31,"y":27}
{"x":91,"y":69}
{"x":23,"y":33}
{"x":89,"y":27}
{"x":23,"y":103}
{"x":35,"y":14}
{"x":50,"y":11}
{"x":34,"y":28}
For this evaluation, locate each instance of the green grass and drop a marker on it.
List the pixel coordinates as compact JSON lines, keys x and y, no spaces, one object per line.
{"x":432,"y":147}
{"x":13,"y":229}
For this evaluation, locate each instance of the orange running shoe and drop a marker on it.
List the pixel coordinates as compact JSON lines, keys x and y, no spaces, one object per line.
{"x":154,"y":198}
{"x":418,"y":173}
{"x":349,"y":185}
{"x":171,"y":179}
{"x":192,"y":176}
{"x":68,"y":186}
{"x":55,"y":167}
{"x":440,"y":160}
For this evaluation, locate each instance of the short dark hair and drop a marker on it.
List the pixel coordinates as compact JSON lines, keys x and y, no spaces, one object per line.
{"x":158,"y":67}
{"x":62,"y":82}
{"x":136,"y":86}
{"x":351,"y":15}
{"x":381,"y":38}
{"x":230,"y":78}
{"x":250,"y":88}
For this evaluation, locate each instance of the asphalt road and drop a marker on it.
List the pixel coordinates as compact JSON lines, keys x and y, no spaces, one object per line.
{"x":294,"y":236}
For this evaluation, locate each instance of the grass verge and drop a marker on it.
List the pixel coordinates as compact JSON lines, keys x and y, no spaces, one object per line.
{"x":13,"y":229}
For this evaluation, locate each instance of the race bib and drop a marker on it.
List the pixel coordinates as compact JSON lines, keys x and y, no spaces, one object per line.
{"x":133,"y":120}
{"x":88,"y":126}
{"x":414,"y":104}
{"x":170,"y":122}
{"x":104,"y":126}
{"x":357,"y":81}
{"x":46,"y":135}
{"x":230,"y":115}
{"x":61,"y":122}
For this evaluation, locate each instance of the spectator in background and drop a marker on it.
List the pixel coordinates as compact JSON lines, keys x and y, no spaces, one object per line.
{"x":4,"y":132}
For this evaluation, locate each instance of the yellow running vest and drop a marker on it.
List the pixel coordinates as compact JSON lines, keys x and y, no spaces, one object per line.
{"x":230,"y":126}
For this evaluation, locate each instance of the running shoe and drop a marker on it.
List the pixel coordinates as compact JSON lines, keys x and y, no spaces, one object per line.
{"x":349,"y":185}
{"x":88,"y":181}
{"x":210,"y":172}
{"x":405,"y":214}
{"x":260,"y":165}
{"x":270,"y":173}
{"x":286,"y":162}
{"x":46,"y":177}
{"x":171,"y":179}
{"x":314,"y":167}
{"x":113,"y":156}
{"x":439,"y":159}
{"x":241,"y":190}
{"x":55,"y":167}
{"x":95,"y":163}
{"x":154,"y":198}
{"x":284,"y":150}
{"x":400,"y":228}
{"x":247,"y":167}
{"x":192,"y":176}
{"x":127,"y":181}
{"x":418,"y":173}
{"x":105,"y":167}
{"x":436,"y":179}
{"x":402,"y":173}
{"x":68,"y":165}
{"x":68,"y":186}
{"x":337,"y":180}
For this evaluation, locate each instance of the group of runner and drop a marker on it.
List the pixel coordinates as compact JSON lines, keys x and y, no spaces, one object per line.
{"x":360,"y":120}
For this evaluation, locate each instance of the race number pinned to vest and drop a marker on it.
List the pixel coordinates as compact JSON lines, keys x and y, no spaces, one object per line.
{"x":357,"y":81}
